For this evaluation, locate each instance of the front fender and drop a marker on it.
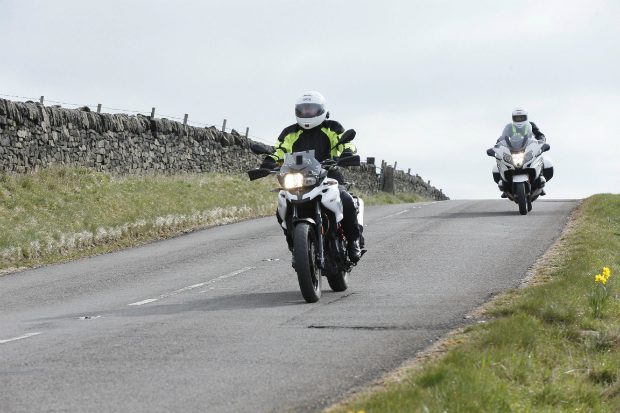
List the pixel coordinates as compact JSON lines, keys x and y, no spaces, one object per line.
{"x":307,"y":220}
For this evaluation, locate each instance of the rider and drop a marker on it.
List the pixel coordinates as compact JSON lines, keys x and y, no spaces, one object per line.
{"x":521,"y":125}
{"x":314,"y":131}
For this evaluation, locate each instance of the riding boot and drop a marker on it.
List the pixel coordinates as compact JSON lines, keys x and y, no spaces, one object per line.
{"x":500,"y":185}
{"x":354,"y":251}
{"x":362,"y":241}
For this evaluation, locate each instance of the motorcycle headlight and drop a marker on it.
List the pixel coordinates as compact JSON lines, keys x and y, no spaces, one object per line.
{"x":309,"y":180}
{"x":517,"y":159}
{"x":292,"y":181}
{"x":507,"y":158}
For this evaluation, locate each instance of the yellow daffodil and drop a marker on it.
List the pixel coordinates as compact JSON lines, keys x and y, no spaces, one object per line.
{"x":606,"y":272}
{"x":600,"y":279}
{"x":599,"y":294}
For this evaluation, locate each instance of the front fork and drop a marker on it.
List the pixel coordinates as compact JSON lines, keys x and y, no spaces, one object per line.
{"x":318,"y":229}
{"x":319,"y":235}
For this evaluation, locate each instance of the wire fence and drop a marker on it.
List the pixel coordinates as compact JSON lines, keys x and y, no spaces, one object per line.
{"x":185,"y":119}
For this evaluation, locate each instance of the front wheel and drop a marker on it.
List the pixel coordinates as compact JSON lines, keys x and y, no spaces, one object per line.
{"x":308,"y":272}
{"x":521,"y":197}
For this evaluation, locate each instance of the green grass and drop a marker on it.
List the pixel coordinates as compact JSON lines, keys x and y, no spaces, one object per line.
{"x":542,"y":349}
{"x":62,"y":213}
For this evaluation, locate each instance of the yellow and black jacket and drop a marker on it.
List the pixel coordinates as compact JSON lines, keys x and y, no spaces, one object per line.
{"x":321,"y":138}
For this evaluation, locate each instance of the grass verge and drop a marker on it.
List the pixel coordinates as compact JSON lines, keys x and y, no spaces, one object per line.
{"x":541,"y":348}
{"x":63,"y":213}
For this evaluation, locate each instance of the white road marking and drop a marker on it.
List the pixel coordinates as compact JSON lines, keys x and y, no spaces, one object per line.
{"x":8,"y":340}
{"x":150,"y":300}
{"x":407,"y":210}
{"x":396,"y":214}
{"x":191,"y":287}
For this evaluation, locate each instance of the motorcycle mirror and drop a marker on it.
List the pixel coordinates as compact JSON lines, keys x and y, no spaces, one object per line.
{"x":349,"y":161}
{"x":545,"y":147}
{"x":491,"y":152}
{"x":255,"y":174}
{"x":260,"y":149}
{"x":346,"y":137}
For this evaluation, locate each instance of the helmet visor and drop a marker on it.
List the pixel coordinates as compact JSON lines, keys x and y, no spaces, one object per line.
{"x":519,"y":118}
{"x":309,"y":110}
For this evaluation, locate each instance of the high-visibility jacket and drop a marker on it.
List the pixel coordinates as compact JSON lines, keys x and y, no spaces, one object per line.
{"x":322,"y":139}
{"x":510,"y":130}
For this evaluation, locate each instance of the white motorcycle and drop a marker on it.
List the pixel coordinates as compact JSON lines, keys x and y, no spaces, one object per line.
{"x":310,"y":211}
{"x":521,"y":168}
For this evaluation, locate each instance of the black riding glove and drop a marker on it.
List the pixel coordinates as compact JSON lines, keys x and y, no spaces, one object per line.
{"x":268,"y":163}
{"x":346,"y":152}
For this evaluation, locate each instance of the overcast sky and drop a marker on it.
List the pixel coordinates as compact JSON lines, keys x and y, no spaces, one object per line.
{"x":429,"y":84}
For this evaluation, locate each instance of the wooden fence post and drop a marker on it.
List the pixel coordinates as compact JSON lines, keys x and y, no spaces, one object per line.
{"x":185,"y":120}
{"x":247,"y":132}
{"x":382,"y":176}
{"x":388,"y":179}
{"x":224,"y":126}
{"x":42,"y":99}
{"x":98,"y":107}
{"x":153,"y":113}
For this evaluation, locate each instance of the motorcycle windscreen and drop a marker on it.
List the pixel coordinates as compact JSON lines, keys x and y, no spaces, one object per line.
{"x":517,"y":142}
{"x":301,"y":162}
{"x":516,"y":138}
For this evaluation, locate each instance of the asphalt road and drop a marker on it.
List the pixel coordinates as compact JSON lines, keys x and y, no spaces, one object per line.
{"x":213,"y":321}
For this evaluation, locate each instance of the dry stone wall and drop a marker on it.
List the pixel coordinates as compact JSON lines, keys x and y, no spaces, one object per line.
{"x":34,"y":136}
{"x":370,"y":179}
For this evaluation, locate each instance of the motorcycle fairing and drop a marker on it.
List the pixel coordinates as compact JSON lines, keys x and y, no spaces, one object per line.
{"x":330,"y":199}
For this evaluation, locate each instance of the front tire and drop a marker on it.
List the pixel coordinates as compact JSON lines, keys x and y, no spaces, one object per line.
{"x":521,"y":197}
{"x":308,"y":272}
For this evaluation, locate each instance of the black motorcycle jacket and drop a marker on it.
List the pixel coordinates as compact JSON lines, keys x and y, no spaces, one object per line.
{"x":537,"y":133}
{"x":323,"y":139}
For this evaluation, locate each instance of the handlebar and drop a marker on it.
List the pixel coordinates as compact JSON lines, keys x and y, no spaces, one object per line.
{"x":328,"y":164}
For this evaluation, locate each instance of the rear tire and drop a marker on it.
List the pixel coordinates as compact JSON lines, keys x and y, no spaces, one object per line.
{"x":521,"y":197}
{"x":308,"y":272}
{"x":339,"y":282}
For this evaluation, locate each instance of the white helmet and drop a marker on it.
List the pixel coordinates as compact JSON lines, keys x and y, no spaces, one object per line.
{"x":310,"y":110}
{"x":519,"y":117}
